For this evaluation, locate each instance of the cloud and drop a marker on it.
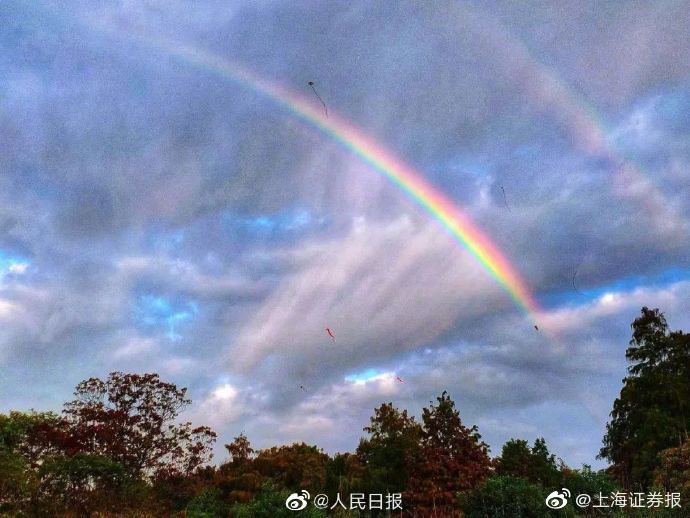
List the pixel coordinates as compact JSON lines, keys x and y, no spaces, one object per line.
{"x":383,"y":288}
{"x":138,"y":187}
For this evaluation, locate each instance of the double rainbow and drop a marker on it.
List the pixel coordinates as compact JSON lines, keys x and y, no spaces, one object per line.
{"x":459,"y":225}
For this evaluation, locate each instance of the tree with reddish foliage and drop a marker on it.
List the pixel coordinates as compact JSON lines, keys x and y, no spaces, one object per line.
{"x":673,"y":474}
{"x":131,"y":419}
{"x":452,"y":459}
{"x":240,"y":450}
{"x":294,"y":467}
{"x":238,"y":480}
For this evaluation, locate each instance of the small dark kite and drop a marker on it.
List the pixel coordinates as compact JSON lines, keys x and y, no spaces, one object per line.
{"x":311,"y":83}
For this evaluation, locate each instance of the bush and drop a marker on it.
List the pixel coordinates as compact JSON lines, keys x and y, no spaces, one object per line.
{"x":270,"y":503}
{"x":507,"y":496}
{"x":208,"y":505}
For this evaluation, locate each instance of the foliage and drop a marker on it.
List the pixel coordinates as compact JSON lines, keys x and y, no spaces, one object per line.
{"x":294,"y":467}
{"x":673,"y":474}
{"x":588,"y":481}
{"x":386,"y":455}
{"x":131,"y":419}
{"x":83,"y":482}
{"x":209,"y":504}
{"x":20,"y":453}
{"x":345,"y":475}
{"x":536,"y":464}
{"x":240,"y":450}
{"x":119,"y":450}
{"x":506,"y":496}
{"x":270,"y":503}
{"x":451,"y":458}
{"x":101,"y":456}
{"x":651,"y":414}
{"x":237,"y":479}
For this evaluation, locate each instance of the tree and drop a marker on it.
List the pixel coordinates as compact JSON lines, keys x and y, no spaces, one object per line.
{"x":673,"y":473}
{"x":270,"y":503}
{"x":116,"y":447}
{"x":295,"y":467}
{"x":240,"y":450}
{"x":534,"y":464}
{"x":238,"y":479}
{"x":506,"y":496}
{"x":345,"y":475}
{"x":208,"y":504}
{"x":651,"y":414}
{"x":131,"y":419}
{"x":386,"y":454}
{"x":22,"y":449}
{"x":590,"y":482}
{"x":452,"y":459}
{"x":84,"y":483}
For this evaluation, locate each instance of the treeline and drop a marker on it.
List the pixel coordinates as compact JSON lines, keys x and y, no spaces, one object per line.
{"x":118,"y":449}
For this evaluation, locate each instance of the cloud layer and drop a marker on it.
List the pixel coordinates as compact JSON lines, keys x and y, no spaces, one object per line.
{"x":155,"y":216}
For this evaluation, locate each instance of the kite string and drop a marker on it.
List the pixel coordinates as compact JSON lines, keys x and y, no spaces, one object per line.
{"x":311,"y":83}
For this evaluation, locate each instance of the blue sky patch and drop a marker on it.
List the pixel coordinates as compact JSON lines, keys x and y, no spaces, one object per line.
{"x":622,"y":285}
{"x":161,"y":313}
{"x":11,"y":264}
{"x":363,"y":376}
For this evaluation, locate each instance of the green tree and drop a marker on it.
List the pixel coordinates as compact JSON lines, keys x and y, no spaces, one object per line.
{"x":208,"y":504}
{"x":83,"y":483}
{"x":503,"y":496}
{"x":588,"y":481}
{"x":651,"y":414}
{"x":535,"y":464}
{"x":345,"y":475}
{"x":394,"y":439}
{"x":22,"y":449}
{"x":270,"y":503}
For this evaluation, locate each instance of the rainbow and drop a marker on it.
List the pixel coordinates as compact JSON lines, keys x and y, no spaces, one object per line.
{"x":584,"y":125}
{"x":459,"y":225}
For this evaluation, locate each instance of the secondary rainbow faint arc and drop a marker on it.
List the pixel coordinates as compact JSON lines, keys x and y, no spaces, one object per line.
{"x":381,"y":160}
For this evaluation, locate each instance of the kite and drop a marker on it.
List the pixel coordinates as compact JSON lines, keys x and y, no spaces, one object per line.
{"x":330,"y":333}
{"x":505,"y":200}
{"x":574,"y":275}
{"x":535,"y":327}
{"x":400,"y":379}
{"x":302,"y":388}
{"x":311,"y":83}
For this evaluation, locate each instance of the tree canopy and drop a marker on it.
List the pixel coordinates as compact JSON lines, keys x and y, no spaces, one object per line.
{"x":651,"y":414}
{"x":120,"y":449}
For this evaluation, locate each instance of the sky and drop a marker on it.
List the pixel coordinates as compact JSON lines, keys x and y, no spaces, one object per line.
{"x":160,"y":212}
